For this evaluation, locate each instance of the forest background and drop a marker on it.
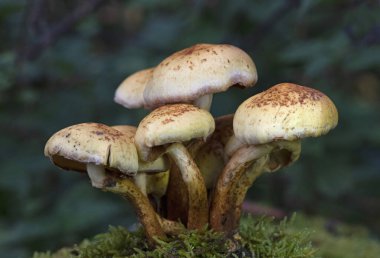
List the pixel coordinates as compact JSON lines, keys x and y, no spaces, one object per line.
{"x":61,"y":61}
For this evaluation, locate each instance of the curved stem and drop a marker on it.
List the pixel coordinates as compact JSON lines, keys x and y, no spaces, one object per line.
{"x":258,"y":159}
{"x":196,"y":189}
{"x":140,"y":181}
{"x":204,"y":102}
{"x":145,"y":212}
{"x":221,"y":214}
{"x":171,"y":227}
{"x":241,"y":188}
{"x":177,"y":197}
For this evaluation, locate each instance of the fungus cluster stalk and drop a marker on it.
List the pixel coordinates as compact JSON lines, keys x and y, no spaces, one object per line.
{"x":180,"y":167}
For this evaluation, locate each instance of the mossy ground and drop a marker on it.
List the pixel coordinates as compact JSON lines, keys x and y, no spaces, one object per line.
{"x":259,"y":238}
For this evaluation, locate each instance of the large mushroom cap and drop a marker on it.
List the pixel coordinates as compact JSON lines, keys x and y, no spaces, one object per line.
{"x":130,"y":92}
{"x":285,"y":111}
{"x":197,"y":71}
{"x":75,"y":146}
{"x":169,"y":124}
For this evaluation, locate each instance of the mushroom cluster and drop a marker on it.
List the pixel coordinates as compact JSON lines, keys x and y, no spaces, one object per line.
{"x":181,"y":168}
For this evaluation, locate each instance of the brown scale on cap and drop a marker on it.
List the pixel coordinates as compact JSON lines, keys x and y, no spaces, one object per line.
{"x":197,"y":71}
{"x":286,"y":94}
{"x":284,"y":111}
{"x":75,"y":146}
{"x":173,"y":111}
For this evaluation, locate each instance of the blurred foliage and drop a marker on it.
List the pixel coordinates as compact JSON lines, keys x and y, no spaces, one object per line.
{"x":51,"y":78}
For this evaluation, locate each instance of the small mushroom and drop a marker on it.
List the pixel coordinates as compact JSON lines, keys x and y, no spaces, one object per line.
{"x":193,"y":74}
{"x":106,"y":154}
{"x":163,"y":131}
{"x":152,"y":177}
{"x":130,"y":92}
{"x":268,"y":127}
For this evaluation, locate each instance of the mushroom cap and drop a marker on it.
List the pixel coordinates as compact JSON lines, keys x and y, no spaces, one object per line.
{"x":285,"y":111}
{"x":169,"y":124}
{"x":161,"y":164}
{"x":197,"y":71}
{"x":73,"y":147}
{"x":130,"y":92}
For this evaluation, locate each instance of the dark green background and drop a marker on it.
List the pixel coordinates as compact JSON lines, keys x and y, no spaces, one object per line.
{"x":333,"y":46}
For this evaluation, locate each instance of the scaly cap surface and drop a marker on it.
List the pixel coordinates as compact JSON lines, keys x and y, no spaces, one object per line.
{"x":75,"y":146}
{"x":285,"y":111}
{"x":199,"y":70}
{"x":169,"y":124}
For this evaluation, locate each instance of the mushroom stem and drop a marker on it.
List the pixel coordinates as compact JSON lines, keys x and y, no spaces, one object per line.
{"x":140,"y":181}
{"x":171,"y":227}
{"x":241,"y":188}
{"x":96,"y":174}
{"x":268,"y":157}
{"x":204,"y":102}
{"x":196,"y":189}
{"x":145,"y":212}
{"x":177,"y":196}
{"x":221,"y":213}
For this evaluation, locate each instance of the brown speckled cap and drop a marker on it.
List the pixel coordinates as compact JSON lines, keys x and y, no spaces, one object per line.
{"x":197,"y":71}
{"x":169,"y":124}
{"x":130,"y":92}
{"x":75,"y":146}
{"x":285,"y":111}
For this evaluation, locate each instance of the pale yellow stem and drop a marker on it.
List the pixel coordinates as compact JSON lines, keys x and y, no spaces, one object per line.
{"x":196,"y":189}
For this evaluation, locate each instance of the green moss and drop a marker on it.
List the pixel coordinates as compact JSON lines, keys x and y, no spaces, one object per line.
{"x":262,"y":236}
{"x":270,"y":239}
{"x":298,"y":237}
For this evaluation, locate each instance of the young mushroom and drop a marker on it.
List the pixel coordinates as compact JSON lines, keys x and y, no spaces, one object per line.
{"x":269,"y":127}
{"x":130,"y":92}
{"x":165,"y":130}
{"x":193,"y":74}
{"x":152,"y":177}
{"x":110,"y":159}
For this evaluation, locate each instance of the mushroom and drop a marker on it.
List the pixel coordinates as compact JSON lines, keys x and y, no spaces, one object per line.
{"x":268,"y":127}
{"x":110,"y":159}
{"x":130,"y":92}
{"x":193,"y":74}
{"x":152,"y":177}
{"x":163,"y":131}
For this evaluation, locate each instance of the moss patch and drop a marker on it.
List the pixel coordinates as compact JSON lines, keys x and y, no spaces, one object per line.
{"x":261,"y":236}
{"x":266,"y":238}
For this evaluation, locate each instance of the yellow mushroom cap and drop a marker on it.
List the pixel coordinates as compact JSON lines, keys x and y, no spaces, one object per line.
{"x":130,"y":92}
{"x":169,"y":124}
{"x":128,"y":130}
{"x":75,"y":146}
{"x":285,"y":111}
{"x":197,"y":71}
